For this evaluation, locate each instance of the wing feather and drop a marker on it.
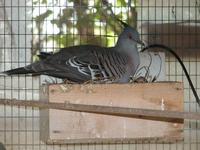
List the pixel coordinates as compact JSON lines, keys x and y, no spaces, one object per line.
{"x":84,"y":63}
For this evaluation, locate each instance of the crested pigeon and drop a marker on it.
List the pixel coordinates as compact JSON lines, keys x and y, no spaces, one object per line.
{"x":89,"y":62}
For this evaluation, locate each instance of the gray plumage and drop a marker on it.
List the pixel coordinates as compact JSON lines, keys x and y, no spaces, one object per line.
{"x":89,"y":62}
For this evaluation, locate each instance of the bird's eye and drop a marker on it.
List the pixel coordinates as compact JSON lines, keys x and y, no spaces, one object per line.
{"x":130,"y":36}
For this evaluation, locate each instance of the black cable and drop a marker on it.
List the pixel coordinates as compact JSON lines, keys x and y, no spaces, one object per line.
{"x":181,"y":63}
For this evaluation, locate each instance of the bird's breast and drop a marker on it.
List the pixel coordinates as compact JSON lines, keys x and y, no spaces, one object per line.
{"x":133,"y":63}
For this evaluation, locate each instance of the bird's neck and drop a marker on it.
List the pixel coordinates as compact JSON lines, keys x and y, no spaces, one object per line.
{"x":131,"y":51}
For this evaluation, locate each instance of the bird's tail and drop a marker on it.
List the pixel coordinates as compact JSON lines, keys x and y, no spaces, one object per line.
{"x":20,"y":70}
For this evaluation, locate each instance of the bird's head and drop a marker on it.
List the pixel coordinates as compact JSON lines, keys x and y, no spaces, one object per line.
{"x":129,"y":38}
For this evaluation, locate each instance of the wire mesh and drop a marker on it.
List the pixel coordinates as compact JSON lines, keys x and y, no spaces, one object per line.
{"x":29,"y":26}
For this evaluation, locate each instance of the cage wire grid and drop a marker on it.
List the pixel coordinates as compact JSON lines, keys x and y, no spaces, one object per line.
{"x":174,"y":23}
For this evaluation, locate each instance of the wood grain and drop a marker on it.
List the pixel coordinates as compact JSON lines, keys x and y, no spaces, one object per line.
{"x":77,"y":127}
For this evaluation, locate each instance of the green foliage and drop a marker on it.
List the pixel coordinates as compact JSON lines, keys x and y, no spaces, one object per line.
{"x":78,"y":23}
{"x":121,"y":3}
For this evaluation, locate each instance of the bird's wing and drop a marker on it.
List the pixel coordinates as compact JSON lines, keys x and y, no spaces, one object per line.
{"x":79,"y":64}
{"x":105,"y":64}
{"x":93,"y":63}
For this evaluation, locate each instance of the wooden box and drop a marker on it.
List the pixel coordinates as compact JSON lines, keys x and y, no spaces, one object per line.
{"x":62,"y":127}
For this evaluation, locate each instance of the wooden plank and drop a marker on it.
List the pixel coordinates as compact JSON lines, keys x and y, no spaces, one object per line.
{"x":63,"y":127}
{"x":140,"y":113}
